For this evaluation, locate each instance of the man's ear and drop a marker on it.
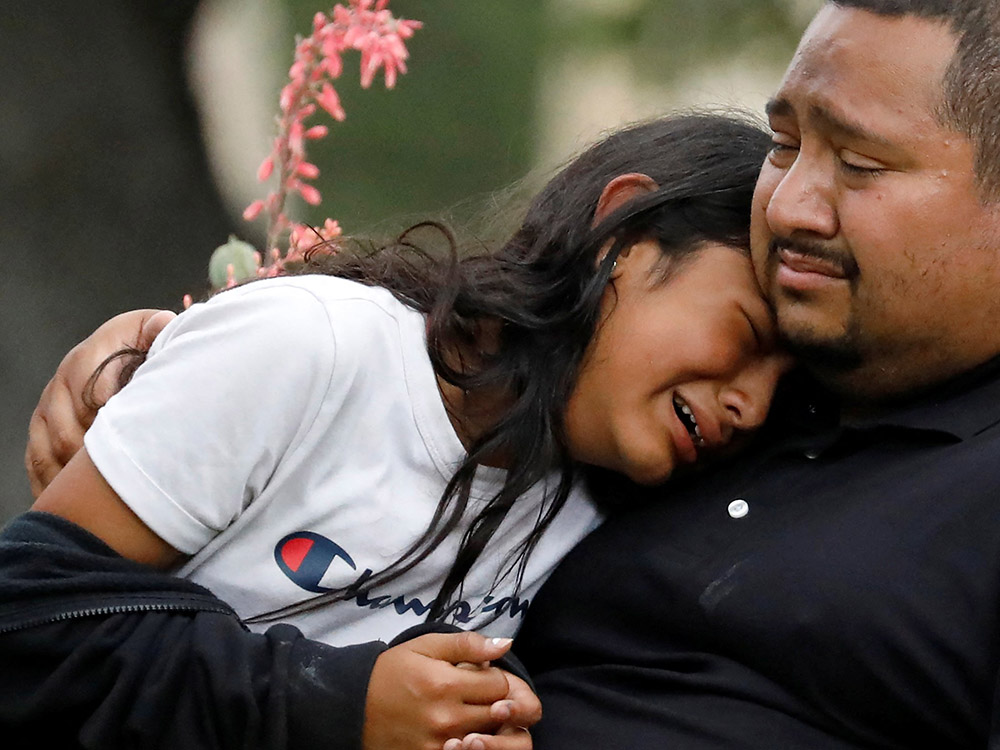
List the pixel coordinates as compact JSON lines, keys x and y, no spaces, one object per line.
{"x":621,"y":190}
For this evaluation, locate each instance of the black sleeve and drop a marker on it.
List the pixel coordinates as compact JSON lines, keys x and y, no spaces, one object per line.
{"x":994,"y":738}
{"x":99,"y":652}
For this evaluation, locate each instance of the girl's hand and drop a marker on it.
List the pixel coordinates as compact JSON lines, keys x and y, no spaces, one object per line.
{"x":419,"y":697}
{"x":55,"y":432}
{"x":518,"y":712}
{"x":506,"y":738}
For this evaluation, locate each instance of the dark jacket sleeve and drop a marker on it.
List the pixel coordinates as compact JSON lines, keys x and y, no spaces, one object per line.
{"x":99,"y":652}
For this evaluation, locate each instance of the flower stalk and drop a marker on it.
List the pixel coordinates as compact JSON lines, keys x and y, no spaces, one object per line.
{"x":366,"y":26}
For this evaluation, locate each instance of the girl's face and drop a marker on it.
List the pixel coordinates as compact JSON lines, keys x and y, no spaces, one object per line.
{"x":676,"y":368}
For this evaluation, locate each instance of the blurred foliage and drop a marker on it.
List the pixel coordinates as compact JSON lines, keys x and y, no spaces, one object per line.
{"x":671,"y":38}
{"x":459,"y":125}
{"x":678,"y":35}
{"x":456,"y":127}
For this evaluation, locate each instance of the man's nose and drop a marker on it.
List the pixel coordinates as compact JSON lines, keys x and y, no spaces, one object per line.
{"x":803,"y":200}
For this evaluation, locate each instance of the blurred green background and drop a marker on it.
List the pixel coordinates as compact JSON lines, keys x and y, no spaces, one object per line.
{"x":498,"y":89}
{"x":131,"y":131}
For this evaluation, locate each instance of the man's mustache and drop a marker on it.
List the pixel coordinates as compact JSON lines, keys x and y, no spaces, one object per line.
{"x":845,"y":263}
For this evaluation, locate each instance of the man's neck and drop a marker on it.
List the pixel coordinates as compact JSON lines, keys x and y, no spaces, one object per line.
{"x":865,"y":406}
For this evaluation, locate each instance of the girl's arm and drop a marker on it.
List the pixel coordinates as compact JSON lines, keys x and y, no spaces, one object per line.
{"x":174,"y":459}
{"x":63,"y":479}
{"x":80,"y":494}
{"x":101,"y":652}
{"x":128,"y":656}
{"x":436,"y":698}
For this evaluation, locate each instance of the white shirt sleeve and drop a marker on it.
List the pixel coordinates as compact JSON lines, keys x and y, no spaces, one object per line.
{"x":229,"y":390}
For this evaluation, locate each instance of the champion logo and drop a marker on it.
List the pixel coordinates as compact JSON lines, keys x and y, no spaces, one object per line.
{"x":304,"y":557}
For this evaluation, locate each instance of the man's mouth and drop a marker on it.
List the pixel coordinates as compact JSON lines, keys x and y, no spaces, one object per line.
{"x":805,"y":269}
{"x":812,"y":259}
{"x":800,"y":263}
{"x":688,"y":419}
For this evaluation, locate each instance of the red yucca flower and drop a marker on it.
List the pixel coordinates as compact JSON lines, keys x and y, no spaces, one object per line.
{"x":363,"y":25}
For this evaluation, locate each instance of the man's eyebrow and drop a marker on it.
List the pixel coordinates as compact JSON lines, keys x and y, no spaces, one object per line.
{"x":829,"y":121}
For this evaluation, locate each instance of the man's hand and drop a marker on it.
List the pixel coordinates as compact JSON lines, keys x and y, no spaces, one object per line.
{"x":55,"y":432}
{"x":422,"y":693}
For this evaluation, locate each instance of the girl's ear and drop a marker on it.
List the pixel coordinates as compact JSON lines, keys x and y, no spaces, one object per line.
{"x":621,"y":190}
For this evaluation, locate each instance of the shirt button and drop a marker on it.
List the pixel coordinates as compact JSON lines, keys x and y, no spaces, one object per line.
{"x":738,"y":508}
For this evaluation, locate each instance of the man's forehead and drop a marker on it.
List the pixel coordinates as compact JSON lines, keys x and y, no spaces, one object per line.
{"x":858,"y":32}
{"x":852,"y":61}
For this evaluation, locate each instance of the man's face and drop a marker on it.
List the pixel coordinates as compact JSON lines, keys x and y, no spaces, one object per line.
{"x":869,"y":234}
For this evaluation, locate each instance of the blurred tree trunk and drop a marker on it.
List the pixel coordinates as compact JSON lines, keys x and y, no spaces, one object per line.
{"x":106,"y":200}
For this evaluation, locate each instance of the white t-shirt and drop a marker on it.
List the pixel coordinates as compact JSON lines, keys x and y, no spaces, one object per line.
{"x":289,"y":435}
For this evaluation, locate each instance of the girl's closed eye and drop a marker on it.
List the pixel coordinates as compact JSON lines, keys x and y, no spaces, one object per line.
{"x":605,"y":331}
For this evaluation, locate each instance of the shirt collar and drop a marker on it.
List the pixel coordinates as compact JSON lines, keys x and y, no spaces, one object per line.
{"x":961,"y":407}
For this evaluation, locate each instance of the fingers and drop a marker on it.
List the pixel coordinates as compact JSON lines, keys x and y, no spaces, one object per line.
{"x":464,"y":719}
{"x":481,"y":687}
{"x":521,"y":707}
{"x":39,"y":462}
{"x":517,"y":712}
{"x":509,"y":738}
{"x":439,"y":690}
{"x":471,"y":666}
{"x":520,"y":710}
{"x":152,"y":326}
{"x":55,"y":434}
{"x":413,"y":697}
{"x":468,"y":647}
{"x":134,"y":329}
{"x":63,"y":414}
{"x":467,"y":656}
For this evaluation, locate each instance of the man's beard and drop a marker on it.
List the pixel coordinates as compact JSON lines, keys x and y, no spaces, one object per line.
{"x":827,"y":356}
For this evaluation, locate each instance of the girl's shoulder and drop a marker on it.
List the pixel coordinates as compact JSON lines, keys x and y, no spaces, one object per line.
{"x":345,"y":301}
{"x":319,"y":324}
{"x":280,"y":306}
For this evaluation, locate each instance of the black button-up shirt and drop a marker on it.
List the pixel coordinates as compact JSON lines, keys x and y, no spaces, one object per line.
{"x":838,"y":586}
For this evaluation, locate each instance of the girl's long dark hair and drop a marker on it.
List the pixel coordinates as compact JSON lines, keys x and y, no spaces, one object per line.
{"x":544,"y":287}
{"x":542,"y":290}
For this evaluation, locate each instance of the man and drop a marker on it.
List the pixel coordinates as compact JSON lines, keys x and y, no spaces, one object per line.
{"x":838,"y":585}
